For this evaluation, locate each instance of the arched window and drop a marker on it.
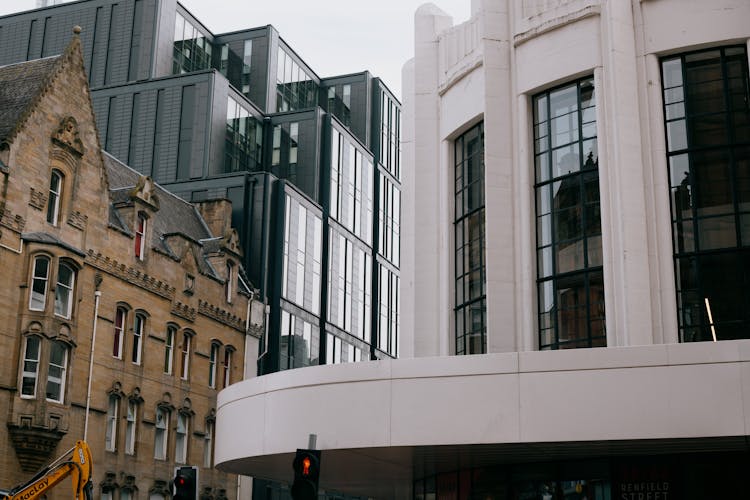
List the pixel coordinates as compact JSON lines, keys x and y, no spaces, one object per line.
{"x":185,"y":356}
{"x":161,"y":430}
{"x":64,"y":290}
{"x":212,"y":360}
{"x":53,"y":200}
{"x":113,"y":411}
{"x":140,"y":236}
{"x":38,"y":294}
{"x":208,"y":444}
{"x":139,"y":328}
{"x":169,"y":348}
{"x":181,"y":438}
{"x":229,"y":283}
{"x":120,"y":318}
{"x":130,"y":427}
{"x":227,"y":365}
{"x":56,"y":372}
{"x":30,"y":371}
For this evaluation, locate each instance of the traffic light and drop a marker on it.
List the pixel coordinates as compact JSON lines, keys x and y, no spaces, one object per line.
{"x":306,"y":472}
{"x":185,"y":483}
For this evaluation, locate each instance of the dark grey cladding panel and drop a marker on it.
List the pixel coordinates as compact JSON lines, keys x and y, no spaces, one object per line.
{"x":111,"y":52}
{"x":259,"y":76}
{"x":360,"y":107}
{"x":143,"y":124}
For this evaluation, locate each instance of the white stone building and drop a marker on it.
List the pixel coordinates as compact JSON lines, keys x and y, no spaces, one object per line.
{"x":578,"y":215}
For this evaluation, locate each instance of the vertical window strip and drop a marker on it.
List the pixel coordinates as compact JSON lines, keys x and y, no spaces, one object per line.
{"x":469,"y":242}
{"x":569,"y":250}
{"x":707,"y":126}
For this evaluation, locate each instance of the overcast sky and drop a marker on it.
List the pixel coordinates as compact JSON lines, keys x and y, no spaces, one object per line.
{"x":333,"y":36}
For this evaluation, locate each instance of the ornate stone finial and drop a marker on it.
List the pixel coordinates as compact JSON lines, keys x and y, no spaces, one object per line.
{"x":77,"y":30}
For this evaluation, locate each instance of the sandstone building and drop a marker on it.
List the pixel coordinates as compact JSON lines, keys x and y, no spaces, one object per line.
{"x":124,"y":309}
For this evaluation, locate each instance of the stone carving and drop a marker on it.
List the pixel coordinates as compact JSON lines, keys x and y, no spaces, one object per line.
{"x":67,"y":135}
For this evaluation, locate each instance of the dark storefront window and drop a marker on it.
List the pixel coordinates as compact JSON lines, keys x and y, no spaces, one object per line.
{"x":570,"y":283}
{"x":471,"y":282}
{"x":707,"y":115}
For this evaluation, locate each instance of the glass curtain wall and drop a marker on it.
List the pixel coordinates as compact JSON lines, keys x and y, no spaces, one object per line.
{"x":244,"y":139}
{"x":707,"y":114}
{"x":295,"y":89}
{"x":192,"y":51}
{"x":469,"y":226}
{"x":570,"y":282}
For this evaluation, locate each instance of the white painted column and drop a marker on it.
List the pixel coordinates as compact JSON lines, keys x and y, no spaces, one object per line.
{"x":431,"y":319}
{"x":527,"y":338}
{"x":625,"y":236}
{"x":500,"y":181}
{"x":661,"y":264}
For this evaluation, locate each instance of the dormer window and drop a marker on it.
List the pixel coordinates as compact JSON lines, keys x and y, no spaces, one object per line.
{"x":140,"y":237}
{"x":53,"y":200}
{"x":229,"y":283}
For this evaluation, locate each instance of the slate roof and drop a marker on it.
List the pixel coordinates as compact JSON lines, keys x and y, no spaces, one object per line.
{"x":51,"y":239}
{"x":19,"y":85}
{"x":175,"y":215}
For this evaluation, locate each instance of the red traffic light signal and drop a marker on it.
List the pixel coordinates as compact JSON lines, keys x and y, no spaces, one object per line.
{"x":306,"y":467}
{"x":185,"y":483}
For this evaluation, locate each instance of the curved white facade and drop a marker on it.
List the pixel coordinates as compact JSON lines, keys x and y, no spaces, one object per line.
{"x":383,"y":425}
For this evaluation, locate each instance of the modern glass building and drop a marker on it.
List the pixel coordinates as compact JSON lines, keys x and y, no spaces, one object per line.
{"x":311,"y":165}
{"x":575,"y":266}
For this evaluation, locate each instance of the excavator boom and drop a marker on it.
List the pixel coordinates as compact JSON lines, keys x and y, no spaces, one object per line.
{"x":75,"y":463}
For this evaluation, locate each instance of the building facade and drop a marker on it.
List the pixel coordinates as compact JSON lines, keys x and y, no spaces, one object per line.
{"x":311,"y":165}
{"x":124,"y":308}
{"x":575,"y":264}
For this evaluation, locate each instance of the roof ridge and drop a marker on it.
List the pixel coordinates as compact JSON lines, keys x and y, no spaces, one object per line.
{"x":67,"y":55}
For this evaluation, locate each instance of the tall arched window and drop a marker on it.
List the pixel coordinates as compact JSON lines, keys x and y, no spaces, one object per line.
{"x":185,"y":356}
{"x":30,"y":371}
{"x":120,"y":317}
{"x":38,"y":294}
{"x":110,"y":434}
{"x":64,"y":290}
{"x":140,"y":236}
{"x":130,"y":427}
{"x":181,"y":438}
{"x":139,"y":328}
{"x":169,"y":348}
{"x":227,"y":365}
{"x":56,"y":372}
{"x":53,"y":200}
{"x":229,"y":283}
{"x":161,"y":430}
{"x":212,"y":360}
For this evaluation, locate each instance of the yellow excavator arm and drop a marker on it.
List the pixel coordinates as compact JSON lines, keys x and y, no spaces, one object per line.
{"x":75,"y":463}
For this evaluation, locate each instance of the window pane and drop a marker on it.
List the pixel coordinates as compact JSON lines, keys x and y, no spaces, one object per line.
{"x":39,"y":284}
